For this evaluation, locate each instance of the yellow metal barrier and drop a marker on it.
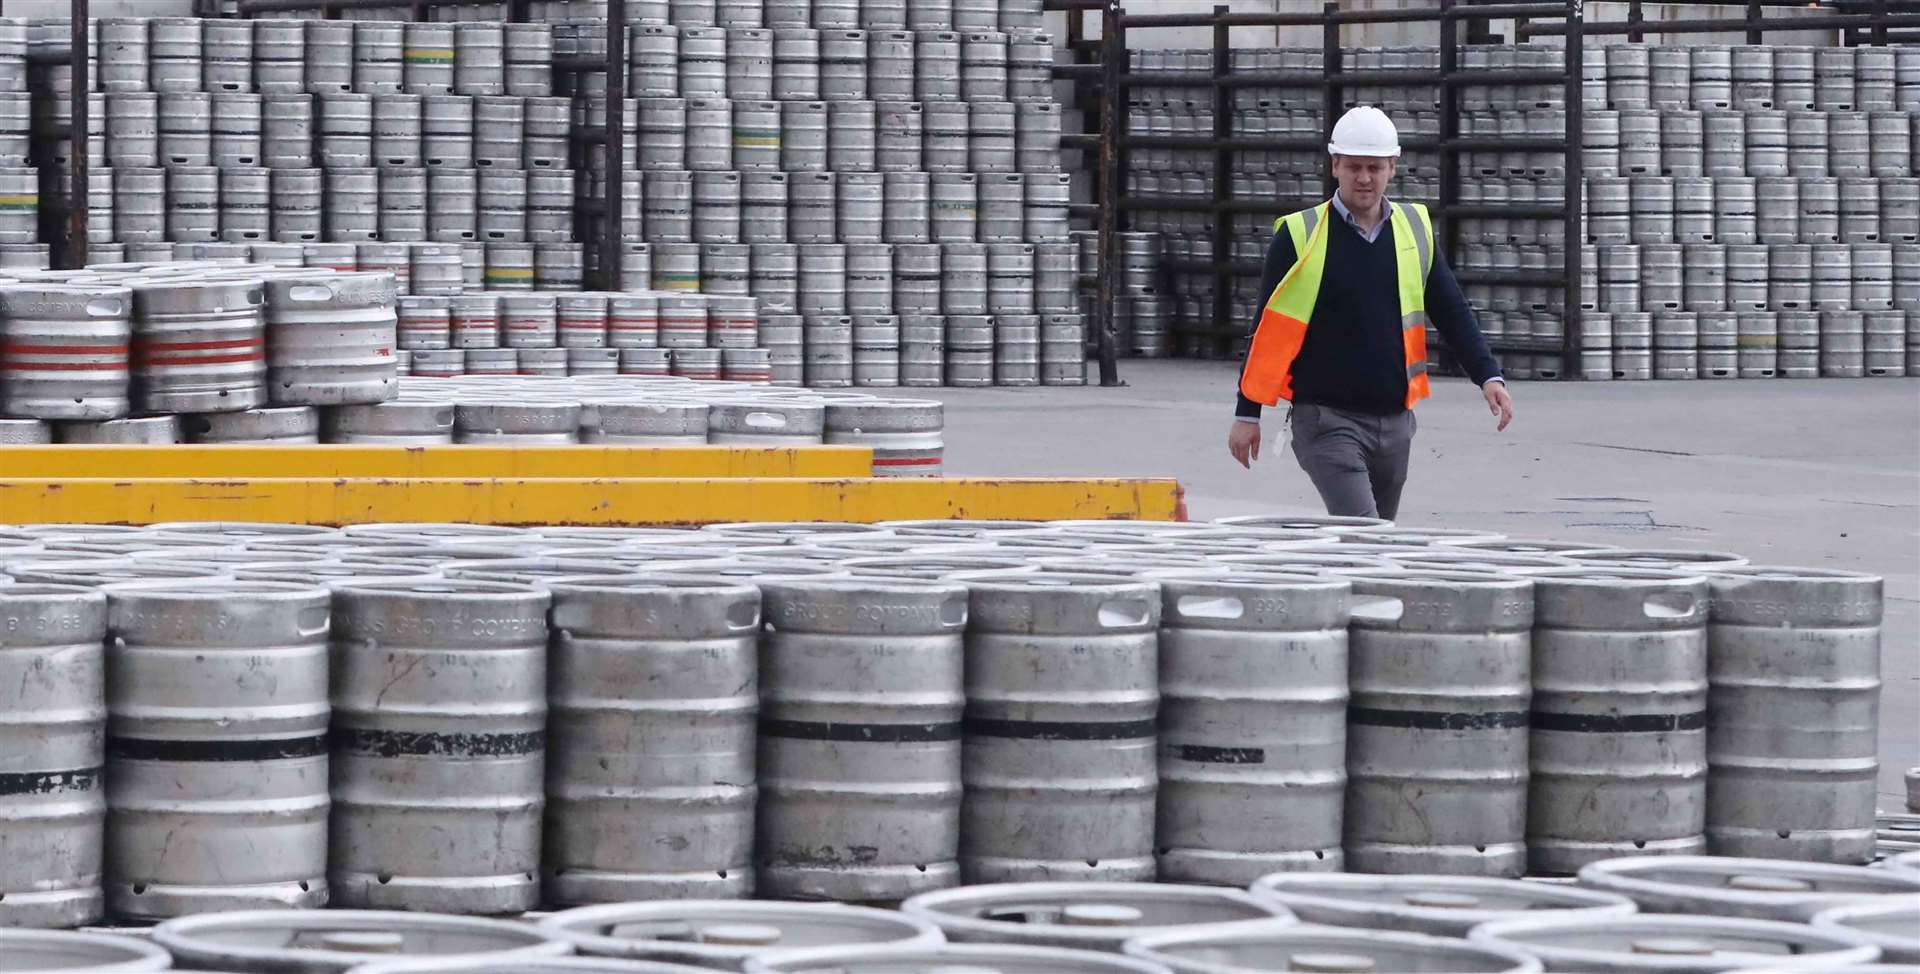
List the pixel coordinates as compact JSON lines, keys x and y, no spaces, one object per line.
{"x":683,"y":500}
{"x":434,"y":461}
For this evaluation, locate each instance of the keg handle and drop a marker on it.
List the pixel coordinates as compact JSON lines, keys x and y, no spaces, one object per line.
{"x":1671,"y":605}
{"x":1124,"y":613}
{"x":1209,"y":607}
{"x":1378,"y":608}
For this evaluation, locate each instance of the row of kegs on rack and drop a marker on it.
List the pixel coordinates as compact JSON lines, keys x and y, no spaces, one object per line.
{"x":819,"y":351}
{"x":782,"y":708}
{"x":534,"y":409}
{"x":1751,"y":77}
{"x":334,"y":131}
{"x":411,"y":204}
{"x":490,"y":58}
{"x":1647,"y":914}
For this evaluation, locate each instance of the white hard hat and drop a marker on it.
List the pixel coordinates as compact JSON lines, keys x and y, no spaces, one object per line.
{"x":1365,"y":131}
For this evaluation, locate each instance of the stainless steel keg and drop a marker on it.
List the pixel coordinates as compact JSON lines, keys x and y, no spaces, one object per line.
{"x":1818,"y":804}
{"x":874,"y":766}
{"x":1059,"y":773}
{"x":416,"y":824}
{"x":330,"y":339}
{"x":53,"y":661}
{"x":694,"y":834}
{"x":64,"y":351}
{"x":216,"y":800}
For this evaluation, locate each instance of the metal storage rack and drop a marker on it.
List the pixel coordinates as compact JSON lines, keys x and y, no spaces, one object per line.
{"x":1100,"y":67}
{"x":1114,"y":142}
{"x":603,"y":250}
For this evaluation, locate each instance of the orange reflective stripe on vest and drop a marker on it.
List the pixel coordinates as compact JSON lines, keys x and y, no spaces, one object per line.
{"x":1268,"y":375}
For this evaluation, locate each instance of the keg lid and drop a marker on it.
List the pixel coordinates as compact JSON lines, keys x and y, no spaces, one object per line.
{"x":1101,"y":915}
{"x":739,"y":934}
{"x":1329,"y":963}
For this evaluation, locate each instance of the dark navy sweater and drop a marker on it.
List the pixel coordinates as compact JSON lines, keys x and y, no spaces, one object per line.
{"x":1353,"y":358}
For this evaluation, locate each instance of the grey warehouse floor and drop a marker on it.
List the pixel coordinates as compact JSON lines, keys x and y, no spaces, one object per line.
{"x":1822,"y":473}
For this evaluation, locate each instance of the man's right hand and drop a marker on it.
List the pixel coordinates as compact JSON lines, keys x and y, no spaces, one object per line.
{"x":1243,"y":441}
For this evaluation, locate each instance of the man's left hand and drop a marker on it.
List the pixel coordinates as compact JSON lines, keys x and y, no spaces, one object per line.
{"x":1499,"y":402}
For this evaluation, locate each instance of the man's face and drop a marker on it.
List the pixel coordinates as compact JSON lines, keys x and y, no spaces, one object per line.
{"x":1363,"y":180}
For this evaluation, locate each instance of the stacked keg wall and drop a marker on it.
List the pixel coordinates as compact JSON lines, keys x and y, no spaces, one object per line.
{"x":1751,"y":212}
{"x":884,"y":182}
{"x":1773,"y":185}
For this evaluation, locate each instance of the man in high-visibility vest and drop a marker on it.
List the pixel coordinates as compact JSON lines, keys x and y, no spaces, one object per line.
{"x":1352,"y":284}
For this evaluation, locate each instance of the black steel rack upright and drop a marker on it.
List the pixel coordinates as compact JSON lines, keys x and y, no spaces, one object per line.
{"x":603,"y":248}
{"x":63,"y":217}
{"x":1095,"y":69}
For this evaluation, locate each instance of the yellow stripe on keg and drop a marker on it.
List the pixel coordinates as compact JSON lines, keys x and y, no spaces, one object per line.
{"x":428,"y":55}
{"x":20,"y":201}
{"x":509,"y":274}
{"x":672,"y":500}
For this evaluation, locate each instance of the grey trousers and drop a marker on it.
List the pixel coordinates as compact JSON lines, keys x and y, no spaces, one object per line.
{"x":1357,"y":461}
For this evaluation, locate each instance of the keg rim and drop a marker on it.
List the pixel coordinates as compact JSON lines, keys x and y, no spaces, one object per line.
{"x":952,"y":910}
{"x":1660,"y":881}
{"x":1257,"y":931}
{"x":806,"y":959}
{"x":194,"y":938}
{"x":1541,"y":936}
{"x":1302,"y":891}
{"x":582,"y":926}
{"x":115,"y":952}
{"x":1892,"y":907}
{"x":528,"y":965}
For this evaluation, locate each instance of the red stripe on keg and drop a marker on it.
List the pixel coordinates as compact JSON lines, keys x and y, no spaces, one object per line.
{"x":203,"y":346}
{"x":63,"y":349}
{"x":905,"y":461}
{"x":230,"y":359}
{"x":63,"y":366}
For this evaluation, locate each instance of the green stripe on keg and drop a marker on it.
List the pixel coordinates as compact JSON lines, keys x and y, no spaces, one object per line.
{"x":428,"y":55}
{"x":757,"y":138}
{"x":678,"y":282}
{"x":968,"y":207}
{"x":20,"y":201}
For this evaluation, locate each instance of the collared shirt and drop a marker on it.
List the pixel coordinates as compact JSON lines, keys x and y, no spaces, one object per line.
{"x":1368,"y":234}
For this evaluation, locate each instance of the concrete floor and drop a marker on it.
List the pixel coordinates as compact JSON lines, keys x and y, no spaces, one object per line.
{"x":1822,"y":473}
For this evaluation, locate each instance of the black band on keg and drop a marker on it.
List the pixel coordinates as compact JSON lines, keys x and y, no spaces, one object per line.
{"x":49,"y":782}
{"x":1062,"y":730}
{"x":1435,"y":720}
{"x":821,"y":730}
{"x":1619,"y":723}
{"x":394,"y":744}
{"x":263,"y":749}
{"x":1201,"y":754}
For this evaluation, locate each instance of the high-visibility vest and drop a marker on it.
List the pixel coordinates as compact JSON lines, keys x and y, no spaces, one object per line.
{"x":1268,"y":376}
